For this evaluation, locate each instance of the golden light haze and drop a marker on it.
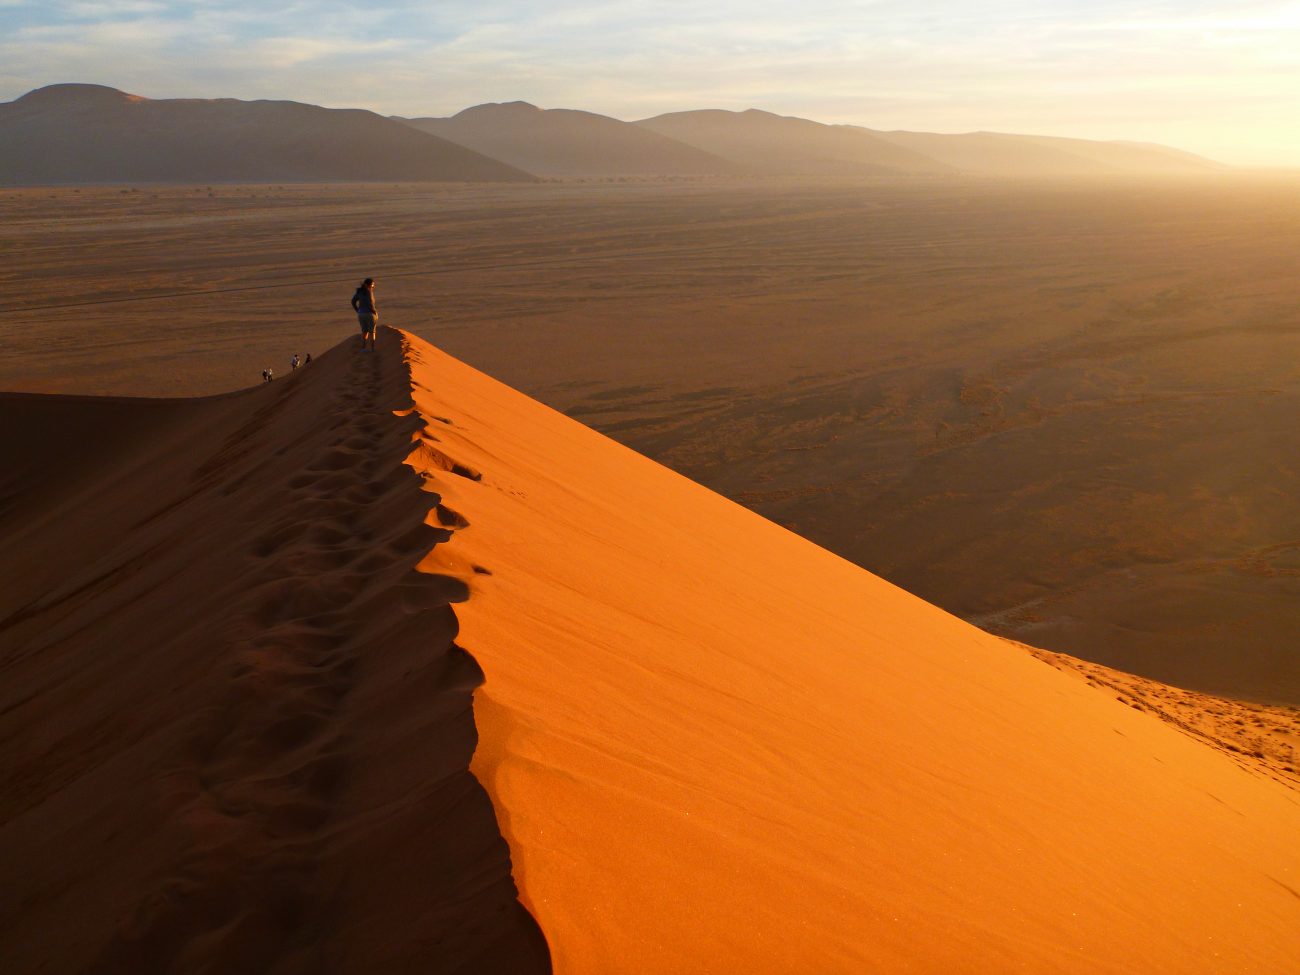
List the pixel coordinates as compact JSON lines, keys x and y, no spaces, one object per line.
{"x":1217,"y":78}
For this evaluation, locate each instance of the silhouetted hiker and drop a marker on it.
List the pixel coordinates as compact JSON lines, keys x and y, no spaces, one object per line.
{"x":307,"y":361}
{"x":363,"y":303}
{"x":266,"y":375}
{"x":293,"y":363}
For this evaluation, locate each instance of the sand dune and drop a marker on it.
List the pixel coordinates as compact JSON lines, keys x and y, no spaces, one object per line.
{"x":713,"y":746}
{"x":234,"y":732}
{"x":236,"y":726}
{"x":1002,"y":154}
{"x":1261,"y":737}
{"x":781,"y":144}
{"x":564,"y":142}
{"x":93,"y":134}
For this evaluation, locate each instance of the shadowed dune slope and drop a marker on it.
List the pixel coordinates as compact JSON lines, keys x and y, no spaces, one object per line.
{"x":234,"y":729}
{"x":564,"y":142}
{"x":715,"y":747}
{"x":90,"y":133}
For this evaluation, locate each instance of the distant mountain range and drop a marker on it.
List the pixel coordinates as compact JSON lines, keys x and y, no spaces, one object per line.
{"x":778,"y":144}
{"x":89,"y":133}
{"x":93,"y":134}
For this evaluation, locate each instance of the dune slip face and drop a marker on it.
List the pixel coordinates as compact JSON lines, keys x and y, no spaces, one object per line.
{"x":234,"y":727}
{"x":715,"y":747}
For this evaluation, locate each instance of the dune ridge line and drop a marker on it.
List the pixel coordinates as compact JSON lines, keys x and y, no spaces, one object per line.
{"x":246,"y":732}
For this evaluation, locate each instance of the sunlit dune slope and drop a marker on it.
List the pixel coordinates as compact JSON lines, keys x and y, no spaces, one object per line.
{"x":1261,"y":737}
{"x":234,"y":731}
{"x":714,"y":747}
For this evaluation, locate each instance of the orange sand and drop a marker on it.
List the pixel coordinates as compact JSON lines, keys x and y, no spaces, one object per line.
{"x":715,"y":747}
{"x":236,"y":733}
{"x":1259,"y":737}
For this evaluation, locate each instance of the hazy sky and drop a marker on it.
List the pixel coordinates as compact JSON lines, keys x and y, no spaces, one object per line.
{"x":1213,"y":76}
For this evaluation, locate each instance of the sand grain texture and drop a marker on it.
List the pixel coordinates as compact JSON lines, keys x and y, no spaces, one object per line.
{"x":1260,"y":737}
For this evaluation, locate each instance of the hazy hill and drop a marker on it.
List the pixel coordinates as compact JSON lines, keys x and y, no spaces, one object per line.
{"x":776,"y":143}
{"x":74,"y":133}
{"x":564,"y":142}
{"x":782,"y":144}
{"x":90,"y":133}
{"x":1000,"y":154}
{"x":1130,"y":156}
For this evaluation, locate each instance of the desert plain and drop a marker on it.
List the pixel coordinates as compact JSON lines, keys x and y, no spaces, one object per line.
{"x":1063,"y":410}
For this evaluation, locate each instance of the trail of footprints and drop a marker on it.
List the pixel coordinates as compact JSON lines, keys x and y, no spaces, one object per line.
{"x":272,"y":762}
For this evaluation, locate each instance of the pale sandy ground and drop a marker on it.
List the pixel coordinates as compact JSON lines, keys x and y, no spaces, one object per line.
{"x":236,"y":727}
{"x":1065,"y":412}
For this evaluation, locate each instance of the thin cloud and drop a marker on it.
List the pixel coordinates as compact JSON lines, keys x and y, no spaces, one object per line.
{"x":1155,"y":72}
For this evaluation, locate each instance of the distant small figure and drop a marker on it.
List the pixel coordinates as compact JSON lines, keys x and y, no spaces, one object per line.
{"x":363,"y":303}
{"x":293,"y":363}
{"x":270,"y":375}
{"x":307,"y":361}
{"x":266,"y":375}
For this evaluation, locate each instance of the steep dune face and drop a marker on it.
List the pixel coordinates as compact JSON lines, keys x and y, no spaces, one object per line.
{"x":564,"y":142}
{"x":795,"y":146}
{"x":89,"y":133}
{"x":233,"y":726}
{"x":713,"y":746}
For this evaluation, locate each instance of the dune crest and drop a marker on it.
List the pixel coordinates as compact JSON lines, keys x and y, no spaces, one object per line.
{"x":713,"y":746}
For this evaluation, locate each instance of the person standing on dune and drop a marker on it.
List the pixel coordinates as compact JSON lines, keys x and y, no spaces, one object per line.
{"x":363,"y":303}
